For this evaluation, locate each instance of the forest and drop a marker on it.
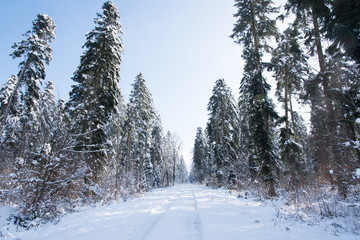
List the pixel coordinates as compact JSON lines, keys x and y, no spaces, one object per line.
{"x":56,"y":154}
{"x":250,"y":145}
{"x":93,"y":148}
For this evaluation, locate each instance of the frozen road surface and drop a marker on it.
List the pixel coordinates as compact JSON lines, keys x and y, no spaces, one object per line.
{"x":182,"y":212}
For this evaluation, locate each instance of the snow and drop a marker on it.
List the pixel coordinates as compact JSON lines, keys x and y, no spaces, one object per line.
{"x":180,"y":212}
{"x":357,"y":173}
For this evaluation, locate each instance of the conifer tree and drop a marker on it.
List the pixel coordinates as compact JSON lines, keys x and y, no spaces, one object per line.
{"x":117,"y":130}
{"x":156,"y":152}
{"x":140,"y":121}
{"x":221,"y":128}
{"x":8,"y":138}
{"x":36,"y":52}
{"x":252,"y":29}
{"x":20,"y":96}
{"x":199,"y":157}
{"x":324,"y":93}
{"x":95,"y":98}
{"x":343,"y":27}
{"x":289,"y":64}
{"x":22,"y":117}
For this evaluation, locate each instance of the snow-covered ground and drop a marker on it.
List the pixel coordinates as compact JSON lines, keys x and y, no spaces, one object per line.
{"x":181,"y":212}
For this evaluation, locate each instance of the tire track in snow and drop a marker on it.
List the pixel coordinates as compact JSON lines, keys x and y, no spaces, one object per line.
{"x":143,"y":231}
{"x":197,"y":220}
{"x":183,"y":212}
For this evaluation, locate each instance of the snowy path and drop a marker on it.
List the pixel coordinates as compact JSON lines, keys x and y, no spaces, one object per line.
{"x":180,"y":220}
{"x":182,"y":212}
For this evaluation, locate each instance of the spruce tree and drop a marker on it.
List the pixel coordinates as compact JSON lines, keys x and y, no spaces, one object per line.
{"x":199,"y":157}
{"x":343,"y":27}
{"x":252,"y":29}
{"x":156,"y":152}
{"x":220,"y":130}
{"x":140,"y":121}
{"x":324,"y":92}
{"x":289,"y":64}
{"x":25,"y":137}
{"x":95,"y":98}
{"x":36,"y":52}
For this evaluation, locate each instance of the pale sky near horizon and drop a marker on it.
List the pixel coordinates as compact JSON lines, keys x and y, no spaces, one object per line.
{"x":181,"y":47}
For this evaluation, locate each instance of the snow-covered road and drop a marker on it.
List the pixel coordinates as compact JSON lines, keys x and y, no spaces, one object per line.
{"x":183,"y":212}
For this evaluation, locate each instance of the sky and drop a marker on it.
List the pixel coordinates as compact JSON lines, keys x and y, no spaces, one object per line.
{"x":181,"y":46}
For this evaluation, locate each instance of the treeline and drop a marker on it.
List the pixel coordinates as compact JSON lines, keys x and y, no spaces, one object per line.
{"x":247,"y":144}
{"x":92,"y":148}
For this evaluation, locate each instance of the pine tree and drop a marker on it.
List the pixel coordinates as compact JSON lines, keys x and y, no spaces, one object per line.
{"x":156,"y":152}
{"x":141,"y":116}
{"x":9,"y":139}
{"x":324,"y":94}
{"x":199,"y":157}
{"x":117,"y":130}
{"x":343,"y":27}
{"x":19,"y":97}
{"x":36,"y":52}
{"x":21,"y":115}
{"x":220,"y":130}
{"x":350,"y":105}
{"x":7,"y":95}
{"x":252,"y":29}
{"x":94,"y":99}
{"x":289,"y":64}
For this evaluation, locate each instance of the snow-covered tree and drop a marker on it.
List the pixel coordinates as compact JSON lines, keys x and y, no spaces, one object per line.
{"x":22,"y":133}
{"x":199,"y":157}
{"x":156,"y":152}
{"x":95,"y":98}
{"x":343,"y":27}
{"x":36,"y":52}
{"x":253,"y":29}
{"x":181,"y":171}
{"x":221,"y":129}
{"x":141,"y":115}
{"x":172,"y":145}
{"x":324,"y":89}
{"x":20,"y":95}
{"x":290,"y":67}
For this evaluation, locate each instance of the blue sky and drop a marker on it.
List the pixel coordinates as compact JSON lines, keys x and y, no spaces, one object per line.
{"x":181,"y":47}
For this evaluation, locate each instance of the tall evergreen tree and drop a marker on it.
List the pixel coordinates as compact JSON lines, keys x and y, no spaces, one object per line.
{"x":95,"y":97}
{"x":252,"y":29}
{"x":156,"y":152}
{"x":36,"y":52}
{"x":199,"y":157}
{"x":312,"y":13}
{"x":343,"y":27}
{"x":25,"y":138}
{"x":324,"y":92}
{"x":289,"y":64}
{"x":140,"y":121}
{"x":117,"y":131}
{"x":220,"y":130}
